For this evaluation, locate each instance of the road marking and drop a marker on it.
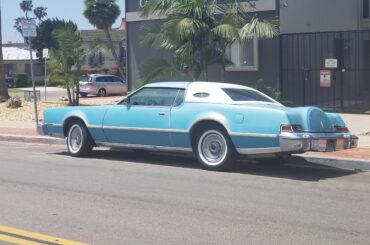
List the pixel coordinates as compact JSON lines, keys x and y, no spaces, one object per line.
{"x":16,"y":236}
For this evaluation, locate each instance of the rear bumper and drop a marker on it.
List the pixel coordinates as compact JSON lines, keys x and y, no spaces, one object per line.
{"x":322,"y":142}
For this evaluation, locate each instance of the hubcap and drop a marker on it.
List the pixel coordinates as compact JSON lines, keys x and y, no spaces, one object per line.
{"x":101,"y":93}
{"x":212,"y":147}
{"x":75,"y":138}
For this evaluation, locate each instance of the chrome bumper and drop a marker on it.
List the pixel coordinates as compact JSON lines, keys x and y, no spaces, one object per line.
{"x":322,"y":142}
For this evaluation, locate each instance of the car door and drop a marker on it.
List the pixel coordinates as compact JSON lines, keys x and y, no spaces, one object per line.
{"x":142,"y":120}
{"x":119,"y":85}
{"x":109,"y":85}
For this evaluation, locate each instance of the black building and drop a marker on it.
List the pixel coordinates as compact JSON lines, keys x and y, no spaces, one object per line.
{"x":320,"y":58}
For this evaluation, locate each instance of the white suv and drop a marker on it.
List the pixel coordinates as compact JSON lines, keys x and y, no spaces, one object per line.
{"x":102,"y":85}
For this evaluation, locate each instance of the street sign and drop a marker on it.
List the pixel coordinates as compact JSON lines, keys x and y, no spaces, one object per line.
{"x":331,"y":63}
{"x":29,"y":28}
{"x":45,"y":53}
{"x":325,"y":78}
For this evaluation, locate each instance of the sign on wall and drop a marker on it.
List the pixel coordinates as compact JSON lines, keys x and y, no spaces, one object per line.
{"x":325,"y":78}
{"x":331,"y":63}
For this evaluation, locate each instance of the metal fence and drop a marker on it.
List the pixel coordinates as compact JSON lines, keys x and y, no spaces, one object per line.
{"x":305,"y":79}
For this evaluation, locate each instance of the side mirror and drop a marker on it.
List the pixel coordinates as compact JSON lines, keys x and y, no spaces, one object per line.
{"x":125,"y":101}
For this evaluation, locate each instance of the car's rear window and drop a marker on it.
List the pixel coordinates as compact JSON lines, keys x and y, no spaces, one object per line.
{"x":245,"y":95}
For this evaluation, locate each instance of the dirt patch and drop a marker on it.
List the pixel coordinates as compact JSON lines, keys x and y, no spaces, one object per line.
{"x":26,"y":111}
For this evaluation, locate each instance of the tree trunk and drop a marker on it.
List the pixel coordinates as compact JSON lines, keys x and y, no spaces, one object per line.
{"x":114,"y":53}
{"x":69,"y":95}
{"x":3,"y":85}
{"x":223,"y":64}
{"x":77,"y":94}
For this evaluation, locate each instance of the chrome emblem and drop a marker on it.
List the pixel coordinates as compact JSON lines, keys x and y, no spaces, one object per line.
{"x":322,"y":124}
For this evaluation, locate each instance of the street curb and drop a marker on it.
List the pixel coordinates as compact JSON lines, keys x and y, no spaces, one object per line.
{"x":336,"y":162}
{"x":32,"y":139}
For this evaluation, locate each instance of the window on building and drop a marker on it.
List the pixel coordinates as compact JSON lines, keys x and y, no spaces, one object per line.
{"x":366,"y":9}
{"x":38,"y":69}
{"x":244,"y":56}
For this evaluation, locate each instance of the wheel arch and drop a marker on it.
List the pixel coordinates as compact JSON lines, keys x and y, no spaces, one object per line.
{"x":204,"y":123}
{"x":67,"y":123}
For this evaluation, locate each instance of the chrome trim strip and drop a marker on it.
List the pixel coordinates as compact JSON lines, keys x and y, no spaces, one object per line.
{"x":146,"y":147}
{"x":53,"y":124}
{"x":94,"y":126}
{"x":255,"y":135}
{"x":246,"y":151}
{"x":147,"y":129}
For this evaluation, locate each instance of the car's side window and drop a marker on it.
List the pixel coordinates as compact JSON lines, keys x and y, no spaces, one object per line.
{"x":179,"y":98}
{"x":117,"y":80}
{"x":108,"y":79}
{"x":154,"y":97}
{"x":99,"y":79}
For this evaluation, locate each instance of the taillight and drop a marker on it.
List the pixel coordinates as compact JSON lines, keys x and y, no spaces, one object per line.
{"x":341,"y":129}
{"x":291,"y":128}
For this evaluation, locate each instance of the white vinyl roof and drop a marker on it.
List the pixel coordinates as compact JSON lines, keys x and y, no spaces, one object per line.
{"x":14,"y":53}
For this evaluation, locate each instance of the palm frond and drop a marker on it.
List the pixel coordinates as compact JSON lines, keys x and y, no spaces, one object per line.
{"x":156,"y":68}
{"x":261,"y":29}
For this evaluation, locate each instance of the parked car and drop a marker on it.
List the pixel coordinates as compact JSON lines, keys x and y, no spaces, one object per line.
{"x":10,"y":82}
{"x":215,"y":121}
{"x":102,"y":85}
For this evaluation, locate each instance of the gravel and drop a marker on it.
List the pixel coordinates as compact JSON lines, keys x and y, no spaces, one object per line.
{"x":26,"y":111}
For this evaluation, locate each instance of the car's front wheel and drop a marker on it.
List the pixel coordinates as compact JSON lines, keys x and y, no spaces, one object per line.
{"x":214,"y":149}
{"x":83,"y":95}
{"x":79,"y":141}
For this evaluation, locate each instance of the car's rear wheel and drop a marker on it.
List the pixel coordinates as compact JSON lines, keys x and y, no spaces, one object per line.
{"x":214,"y":149}
{"x":102,"y":92}
{"x":79,"y":141}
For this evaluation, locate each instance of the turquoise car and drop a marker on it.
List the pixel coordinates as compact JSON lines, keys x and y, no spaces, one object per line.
{"x":217,"y":122}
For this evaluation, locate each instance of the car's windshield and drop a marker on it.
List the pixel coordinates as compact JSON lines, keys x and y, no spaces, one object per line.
{"x":245,"y":95}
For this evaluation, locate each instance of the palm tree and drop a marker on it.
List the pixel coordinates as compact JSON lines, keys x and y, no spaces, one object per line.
{"x":40,"y":13}
{"x":26,"y":6}
{"x":69,"y":55}
{"x":3,"y":86}
{"x":199,"y":31}
{"x":103,"y":14}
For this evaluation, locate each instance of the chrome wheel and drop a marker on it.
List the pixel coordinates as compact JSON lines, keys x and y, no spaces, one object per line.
{"x":75,"y":138}
{"x":212,"y":148}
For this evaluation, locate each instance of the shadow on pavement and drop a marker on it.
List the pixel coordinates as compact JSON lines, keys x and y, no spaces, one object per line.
{"x":296,"y":169}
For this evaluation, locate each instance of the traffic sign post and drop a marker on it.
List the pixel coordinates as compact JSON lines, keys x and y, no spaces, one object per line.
{"x":29,"y":30}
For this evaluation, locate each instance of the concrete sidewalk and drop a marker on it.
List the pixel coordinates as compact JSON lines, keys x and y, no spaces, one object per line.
{"x":358,"y":158}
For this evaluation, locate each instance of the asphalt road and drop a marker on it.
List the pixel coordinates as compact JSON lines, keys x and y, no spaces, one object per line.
{"x":131,"y":198}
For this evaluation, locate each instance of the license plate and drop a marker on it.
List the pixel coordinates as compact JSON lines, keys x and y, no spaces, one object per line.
{"x":340,"y":144}
{"x":322,"y":144}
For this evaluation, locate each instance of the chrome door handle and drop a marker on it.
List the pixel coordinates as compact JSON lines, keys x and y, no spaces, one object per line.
{"x":162,"y":113}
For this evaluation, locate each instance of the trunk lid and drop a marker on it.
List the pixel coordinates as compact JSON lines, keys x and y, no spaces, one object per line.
{"x":312,"y":119}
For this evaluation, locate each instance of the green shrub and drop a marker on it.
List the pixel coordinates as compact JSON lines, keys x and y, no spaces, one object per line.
{"x":273,"y":93}
{"x":21,"y":80}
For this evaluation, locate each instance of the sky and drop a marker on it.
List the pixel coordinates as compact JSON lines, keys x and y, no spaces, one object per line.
{"x":62,"y":9}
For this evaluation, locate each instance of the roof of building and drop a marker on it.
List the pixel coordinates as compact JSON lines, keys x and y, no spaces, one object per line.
{"x":14,"y":53}
{"x":92,"y":35}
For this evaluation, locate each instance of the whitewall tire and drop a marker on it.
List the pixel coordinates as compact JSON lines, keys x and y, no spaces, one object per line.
{"x":79,"y":142}
{"x":214,"y":149}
